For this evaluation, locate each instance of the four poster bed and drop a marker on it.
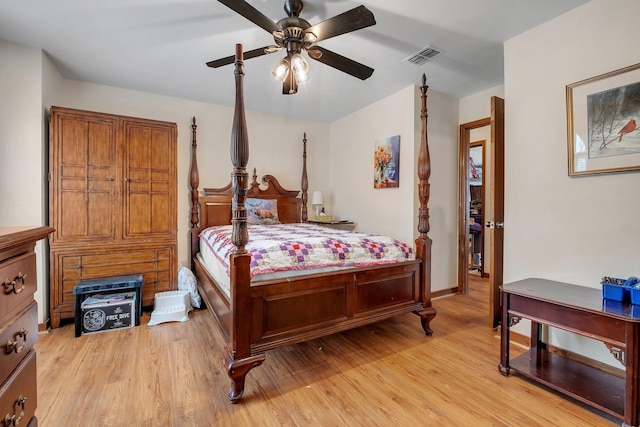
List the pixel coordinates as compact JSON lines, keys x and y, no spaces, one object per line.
{"x":255,"y":312}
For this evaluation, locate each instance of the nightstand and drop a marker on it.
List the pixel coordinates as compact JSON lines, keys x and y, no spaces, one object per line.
{"x":337,"y":225}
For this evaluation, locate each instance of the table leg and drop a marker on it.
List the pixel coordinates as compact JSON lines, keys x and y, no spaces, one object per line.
{"x":503,"y":367}
{"x":632,"y":375}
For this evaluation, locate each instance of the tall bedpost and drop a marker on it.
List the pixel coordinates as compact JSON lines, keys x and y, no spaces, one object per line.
{"x":237,"y":356}
{"x":305,"y":181}
{"x":423,"y":242}
{"x":194,"y":182}
{"x":239,"y":158}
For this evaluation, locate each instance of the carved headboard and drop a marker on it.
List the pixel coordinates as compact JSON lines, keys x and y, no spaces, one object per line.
{"x":214,"y":208}
{"x":216,"y":204}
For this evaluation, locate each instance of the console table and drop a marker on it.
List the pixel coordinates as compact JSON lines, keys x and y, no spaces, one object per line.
{"x":583,"y":311}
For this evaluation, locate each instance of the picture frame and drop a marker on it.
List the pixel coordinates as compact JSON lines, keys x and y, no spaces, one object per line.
{"x":386,"y":163}
{"x":603,"y":123}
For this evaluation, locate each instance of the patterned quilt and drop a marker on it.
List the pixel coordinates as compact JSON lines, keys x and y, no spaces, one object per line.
{"x":283,"y":247}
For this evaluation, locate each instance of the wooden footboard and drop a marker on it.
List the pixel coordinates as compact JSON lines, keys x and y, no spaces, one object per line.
{"x":308,"y":307}
{"x":267,"y":314}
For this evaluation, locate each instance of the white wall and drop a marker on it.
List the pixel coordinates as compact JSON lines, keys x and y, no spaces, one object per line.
{"x":21,"y":130}
{"x":478,"y":106}
{"x":393,"y":211}
{"x":22,"y":157}
{"x":338,"y":153}
{"x":574,"y":230}
{"x":30,"y":85}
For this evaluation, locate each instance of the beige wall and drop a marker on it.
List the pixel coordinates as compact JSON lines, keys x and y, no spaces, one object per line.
{"x":574,"y":230}
{"x":29,"y":85}
{"x":276,"y":145}
{"x":22,"y":156}
{"x":393,"y":211}
{"x":275,"y":142}
{"x":589,"y":225}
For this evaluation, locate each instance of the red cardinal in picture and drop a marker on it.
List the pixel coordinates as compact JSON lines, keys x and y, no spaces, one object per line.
{"x":629,"y":127}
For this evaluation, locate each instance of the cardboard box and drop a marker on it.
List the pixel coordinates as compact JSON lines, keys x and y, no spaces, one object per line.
{"x":107,"y":312}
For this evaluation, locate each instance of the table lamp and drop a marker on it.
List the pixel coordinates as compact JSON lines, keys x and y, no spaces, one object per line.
{"x":317,"y":201}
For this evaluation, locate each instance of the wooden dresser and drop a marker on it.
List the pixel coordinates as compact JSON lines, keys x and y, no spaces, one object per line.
{"x":112,"y":201}
{"x":18,"y":324}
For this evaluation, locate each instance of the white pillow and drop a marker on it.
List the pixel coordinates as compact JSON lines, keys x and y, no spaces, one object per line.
{"x":187,"y":282}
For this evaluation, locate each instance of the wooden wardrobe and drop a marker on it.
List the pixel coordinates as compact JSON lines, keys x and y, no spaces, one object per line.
{"x":112,"y":202}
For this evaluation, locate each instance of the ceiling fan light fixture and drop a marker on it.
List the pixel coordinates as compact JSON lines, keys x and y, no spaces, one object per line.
{"x":300,"y":67}
{"x":295,"y":34}
{"x":299,"y":64}
{"x":302,"y":77}
{"x":281,"y":71}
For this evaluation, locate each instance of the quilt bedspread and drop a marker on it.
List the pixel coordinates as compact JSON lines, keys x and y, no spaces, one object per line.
{"x":282,"y":247}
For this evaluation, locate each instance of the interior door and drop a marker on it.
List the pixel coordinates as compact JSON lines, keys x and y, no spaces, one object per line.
{"x":495,"y":225}
{"x":463,"y":202}
{"x":494,"y":221}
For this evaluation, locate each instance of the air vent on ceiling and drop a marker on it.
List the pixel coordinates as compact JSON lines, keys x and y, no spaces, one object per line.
{"x":424,"y":55}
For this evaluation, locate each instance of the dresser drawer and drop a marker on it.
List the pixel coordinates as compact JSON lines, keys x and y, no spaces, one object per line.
{"x":17,"y":285}
{"x":19,"y":392}
{"x":17,"y":339}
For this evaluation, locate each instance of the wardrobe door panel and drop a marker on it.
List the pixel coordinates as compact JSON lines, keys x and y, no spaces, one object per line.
{"x":150,"y":206}
{"x":83,"y":168}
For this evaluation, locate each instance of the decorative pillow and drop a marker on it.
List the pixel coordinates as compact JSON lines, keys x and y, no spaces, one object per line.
{"x":187,"y":282}
{"x":262,"y":211}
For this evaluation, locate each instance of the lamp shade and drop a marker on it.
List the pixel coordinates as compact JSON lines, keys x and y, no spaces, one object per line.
{"x":281,"y":71}
{"x":316,"y":198}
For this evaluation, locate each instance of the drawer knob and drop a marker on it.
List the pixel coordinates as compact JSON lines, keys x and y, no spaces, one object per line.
{"x":12,"y":420}
{"x":15,"y":345}
{"x":12,"y":285}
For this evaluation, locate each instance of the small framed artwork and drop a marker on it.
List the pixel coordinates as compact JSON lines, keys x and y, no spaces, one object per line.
{"x":386,"y":163}
{"x":603,"y":123}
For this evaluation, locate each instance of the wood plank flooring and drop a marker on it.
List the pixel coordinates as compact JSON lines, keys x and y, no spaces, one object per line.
{"x":387,"y":374}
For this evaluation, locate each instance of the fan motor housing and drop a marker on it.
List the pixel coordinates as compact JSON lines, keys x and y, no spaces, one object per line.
{"x":293,"y":7}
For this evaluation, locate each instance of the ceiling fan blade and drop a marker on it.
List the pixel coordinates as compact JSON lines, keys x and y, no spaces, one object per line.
{"x":252,"y":14}
{"x":341,"y":63}
{"x":351,"y":20}
{"x":246,"y":55}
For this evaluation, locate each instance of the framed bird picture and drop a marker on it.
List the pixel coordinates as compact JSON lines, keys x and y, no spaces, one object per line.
{"x":603,"y":123}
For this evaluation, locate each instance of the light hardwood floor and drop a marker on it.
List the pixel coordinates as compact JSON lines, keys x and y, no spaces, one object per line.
{"x":387,"y":374}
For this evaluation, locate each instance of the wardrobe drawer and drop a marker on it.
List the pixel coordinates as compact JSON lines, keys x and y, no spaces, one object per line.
{"x":19,"y":393}
{"x":17,"y":339}
{"x":17,"y":285}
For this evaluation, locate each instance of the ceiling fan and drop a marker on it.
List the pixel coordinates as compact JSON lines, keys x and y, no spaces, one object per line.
{"x":295,"y":34}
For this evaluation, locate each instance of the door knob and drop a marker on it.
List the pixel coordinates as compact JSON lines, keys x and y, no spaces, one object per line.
{"x":500,"y":224}
{"x":489,"y":224}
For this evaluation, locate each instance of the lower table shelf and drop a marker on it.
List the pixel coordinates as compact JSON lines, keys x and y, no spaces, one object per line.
{"x":584,"y":383}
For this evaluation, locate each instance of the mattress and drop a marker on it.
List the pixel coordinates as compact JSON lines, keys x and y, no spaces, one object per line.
{"x":288,"y":250}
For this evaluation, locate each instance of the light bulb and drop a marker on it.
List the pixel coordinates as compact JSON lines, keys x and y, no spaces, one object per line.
{"x":281,"y":71}
{"x":300,"y":68}
{"x":302,"y":77}
{"x":299,"y":64}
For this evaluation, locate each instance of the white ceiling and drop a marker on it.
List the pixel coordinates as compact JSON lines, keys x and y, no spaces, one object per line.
{"x":161,"y":46}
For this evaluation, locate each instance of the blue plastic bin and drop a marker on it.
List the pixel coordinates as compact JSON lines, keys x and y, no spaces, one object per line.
{"x":621,"y":290}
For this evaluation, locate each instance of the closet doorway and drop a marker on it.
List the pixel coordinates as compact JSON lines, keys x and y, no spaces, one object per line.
{"x":477,"y":205}
{"x":489,"y":134}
